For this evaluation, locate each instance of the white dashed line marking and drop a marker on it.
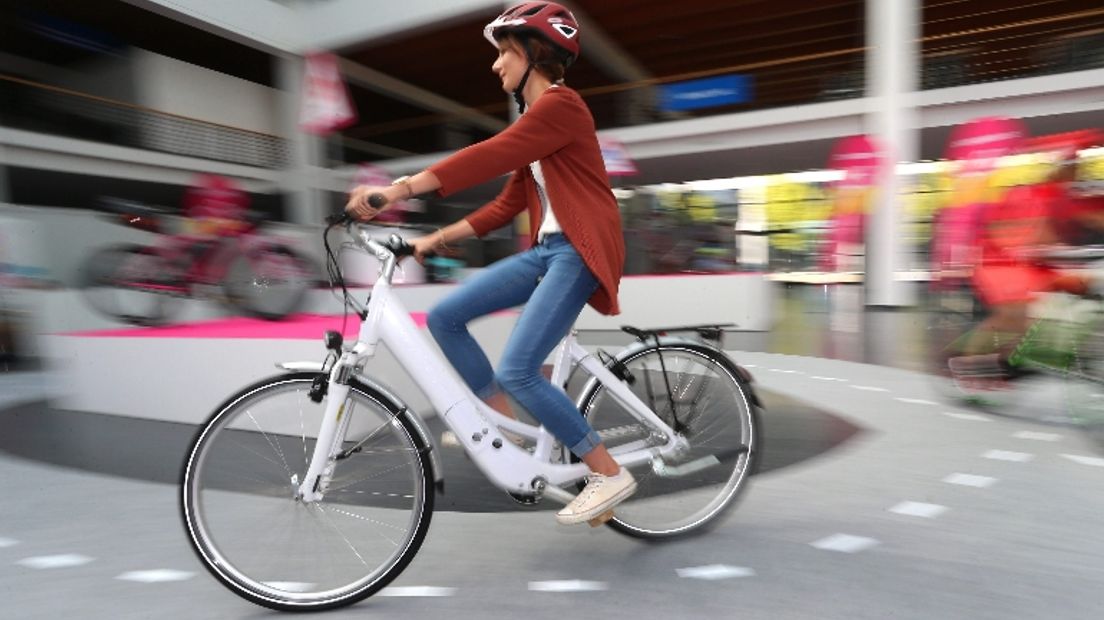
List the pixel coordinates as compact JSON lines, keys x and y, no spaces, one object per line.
{"x":715,"y":571}
{"x":973,"y":417}
{"x":425,"y":591}
{"x":970,"y":480}
{"x":869,"y":388}
{"x":1036,"y":436}
{"x":918,"y":509}
{"x":845,"y":543}
{"x":156,"y":576}
{"x":916,"y":401}
{"x":818,"y":378}
{"x":1092,"y":461}
{"x":8,"y":542}
{"x":1007,"y":455}
{"x":55,"y":561}
{"x":569,"y":585}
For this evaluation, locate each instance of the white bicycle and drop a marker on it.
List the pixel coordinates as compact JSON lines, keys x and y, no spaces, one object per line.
{"x":314,"y":489}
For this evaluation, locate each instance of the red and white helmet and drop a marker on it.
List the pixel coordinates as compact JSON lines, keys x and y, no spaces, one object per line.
{"x":548,"y":19}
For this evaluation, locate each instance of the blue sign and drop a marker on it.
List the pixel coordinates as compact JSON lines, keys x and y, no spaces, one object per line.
{"x":707,"y":93}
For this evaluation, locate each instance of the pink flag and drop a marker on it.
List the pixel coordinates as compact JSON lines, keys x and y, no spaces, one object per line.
{"x":326,"y":103}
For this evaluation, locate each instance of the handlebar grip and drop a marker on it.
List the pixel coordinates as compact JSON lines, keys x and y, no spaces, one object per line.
{"x":377,"y":201}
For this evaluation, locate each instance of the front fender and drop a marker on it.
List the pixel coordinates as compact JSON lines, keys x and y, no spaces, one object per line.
{"x":415,"y":420}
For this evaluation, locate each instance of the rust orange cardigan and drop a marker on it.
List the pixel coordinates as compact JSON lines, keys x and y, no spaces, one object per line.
{"x":558,"y":130}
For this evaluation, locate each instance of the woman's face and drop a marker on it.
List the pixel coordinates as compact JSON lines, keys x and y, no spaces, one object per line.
{"x":510,"y":65}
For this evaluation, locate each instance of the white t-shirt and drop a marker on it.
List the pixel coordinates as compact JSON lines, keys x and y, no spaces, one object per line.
{"x":549,"y":224}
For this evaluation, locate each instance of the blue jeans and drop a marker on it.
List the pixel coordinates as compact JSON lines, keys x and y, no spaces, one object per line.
{"x":553,"y":282}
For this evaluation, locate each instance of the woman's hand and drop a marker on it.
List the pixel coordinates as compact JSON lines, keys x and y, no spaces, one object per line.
{"x":358,"y":206}
{"x":428,"y":244}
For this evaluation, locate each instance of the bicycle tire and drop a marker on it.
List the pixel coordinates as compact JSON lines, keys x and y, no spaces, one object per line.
{"x":268,"y":282}
{"x":120,"y":283}
{"x":718,"y":414}
{"x":1039,"y":392}
{"x":245,"y":463}
{"x":1085,"y":387}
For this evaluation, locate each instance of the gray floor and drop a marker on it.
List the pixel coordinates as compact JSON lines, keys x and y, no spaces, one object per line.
{"x":879,"y":502}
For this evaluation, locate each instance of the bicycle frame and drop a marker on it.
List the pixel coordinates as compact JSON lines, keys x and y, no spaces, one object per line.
{"x":475,"y":424}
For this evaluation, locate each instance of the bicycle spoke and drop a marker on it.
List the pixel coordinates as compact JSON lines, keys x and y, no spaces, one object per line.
{"x":349,"y":544}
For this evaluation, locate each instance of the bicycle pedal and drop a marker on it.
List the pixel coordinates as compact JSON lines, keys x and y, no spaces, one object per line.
{"x":601,"y":519}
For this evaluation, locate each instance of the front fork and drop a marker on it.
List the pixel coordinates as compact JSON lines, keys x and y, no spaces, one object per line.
{"x":331,"y":435}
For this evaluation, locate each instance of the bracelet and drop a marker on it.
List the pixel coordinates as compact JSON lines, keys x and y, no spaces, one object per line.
{"x":442,"y":243}
{"x":405,"y":181}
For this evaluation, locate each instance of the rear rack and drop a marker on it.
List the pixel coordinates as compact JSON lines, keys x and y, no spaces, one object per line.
{"x":711,"y":332}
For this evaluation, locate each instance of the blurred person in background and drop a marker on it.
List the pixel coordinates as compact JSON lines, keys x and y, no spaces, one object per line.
{"x":577,"y":255}
{"x":957,"y":232}
{"x":215,"y":207}
{"x":1016,"y":232}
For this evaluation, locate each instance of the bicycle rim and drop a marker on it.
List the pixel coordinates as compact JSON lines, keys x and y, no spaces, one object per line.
{"x":242,"y":518}
{"x":681,"y":496}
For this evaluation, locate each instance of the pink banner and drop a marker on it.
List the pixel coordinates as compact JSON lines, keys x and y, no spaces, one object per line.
{"x":858,"y":159}
{"x":327,"y":106}
{"x":617,"y":160}
{"x":979,"y":143}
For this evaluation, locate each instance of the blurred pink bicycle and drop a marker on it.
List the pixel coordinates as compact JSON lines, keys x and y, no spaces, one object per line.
{"x":260,"y":275}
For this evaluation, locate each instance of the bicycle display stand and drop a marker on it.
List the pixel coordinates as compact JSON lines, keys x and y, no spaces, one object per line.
{"x":214,"y":355}
{"x":207,"y":359}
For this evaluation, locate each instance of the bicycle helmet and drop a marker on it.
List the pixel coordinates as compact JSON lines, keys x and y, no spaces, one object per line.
{"x":547,"y":20}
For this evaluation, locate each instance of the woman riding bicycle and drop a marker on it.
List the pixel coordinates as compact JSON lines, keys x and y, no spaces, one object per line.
{"x":577,"y":250}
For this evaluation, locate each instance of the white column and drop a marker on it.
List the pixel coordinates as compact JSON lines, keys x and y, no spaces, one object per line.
{"x":892,"y":69}
{"x":305,"y":203}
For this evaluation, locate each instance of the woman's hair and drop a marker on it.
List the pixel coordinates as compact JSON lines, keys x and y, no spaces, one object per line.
{"x":546,"y":57}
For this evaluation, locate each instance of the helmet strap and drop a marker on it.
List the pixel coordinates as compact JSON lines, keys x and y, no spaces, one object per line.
{"x":518,"y":97}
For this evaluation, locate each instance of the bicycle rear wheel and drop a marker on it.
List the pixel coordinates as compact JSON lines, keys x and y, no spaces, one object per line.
{"x":1085,"y":385}
{"x":699,"y":392}
{"x":243,"y":517}
{"x":1043,"y":387}
{"x":268,"y":282}
{"x":132,"y":284}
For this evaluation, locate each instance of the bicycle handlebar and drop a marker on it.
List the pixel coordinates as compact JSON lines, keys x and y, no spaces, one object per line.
{"x":376,"y":201}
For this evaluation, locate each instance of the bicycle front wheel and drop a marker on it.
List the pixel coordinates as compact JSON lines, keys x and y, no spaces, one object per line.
{"x":268,"y":282}
{"x":244,"y":518}
{"x":697,"y":391}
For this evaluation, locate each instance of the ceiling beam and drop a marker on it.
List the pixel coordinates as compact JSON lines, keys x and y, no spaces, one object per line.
{"x":601,"y":50}
{"x":384,"y":84}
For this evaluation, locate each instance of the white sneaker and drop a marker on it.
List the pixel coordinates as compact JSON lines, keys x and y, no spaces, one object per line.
{"x":598,"y":498}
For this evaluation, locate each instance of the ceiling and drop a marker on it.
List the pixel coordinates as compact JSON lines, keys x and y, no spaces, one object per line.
{"x":70,"y":32}
{"x":792,"y":51}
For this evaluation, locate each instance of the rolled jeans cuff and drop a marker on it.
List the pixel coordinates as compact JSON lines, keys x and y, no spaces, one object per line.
{"x":488,"y":391}
{"x":586,"y":444}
